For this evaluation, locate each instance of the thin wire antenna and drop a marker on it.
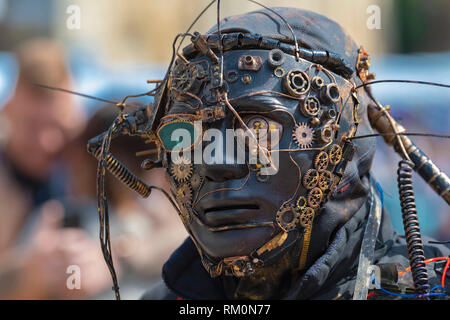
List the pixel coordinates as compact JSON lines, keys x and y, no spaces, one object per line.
{"x":194,"y":22}
{"x":439,"y":242}
{"x":404,"y":81}
{"x":75,"y":93}
{"x":175,"y":51}
{"x":148,"y":93}
{"x":401,"y":134}
{"x":219,"y":31}
{"x":297,"y":50}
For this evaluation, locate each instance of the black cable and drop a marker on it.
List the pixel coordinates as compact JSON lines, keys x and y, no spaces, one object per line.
{"x":297,"y":55}
{"x":404,"y":81}
{"x":401,"y":134}
{"x":75,"y":93}
{"x":194,"y":22}
{"x":439,"y":242}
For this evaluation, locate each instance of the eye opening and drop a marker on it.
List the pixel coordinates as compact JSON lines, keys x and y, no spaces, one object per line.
{"x":166,"y":130}
{"x":257,"y":122}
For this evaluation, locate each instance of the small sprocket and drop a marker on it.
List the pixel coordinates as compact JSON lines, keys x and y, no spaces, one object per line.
{"x":184,"y":194}
{"x":303,"y":135}
{"x":182,"y":171}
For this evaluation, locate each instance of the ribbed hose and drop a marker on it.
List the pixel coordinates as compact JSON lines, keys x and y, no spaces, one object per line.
{"x":116,"y":168}
{"x":411,"y":226}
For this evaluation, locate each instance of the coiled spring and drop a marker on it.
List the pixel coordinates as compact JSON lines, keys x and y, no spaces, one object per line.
{"x":412,"y":229}
{"x":124,"y":175}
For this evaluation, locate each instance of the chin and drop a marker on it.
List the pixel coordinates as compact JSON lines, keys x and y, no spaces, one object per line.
{"x":231,"y":243}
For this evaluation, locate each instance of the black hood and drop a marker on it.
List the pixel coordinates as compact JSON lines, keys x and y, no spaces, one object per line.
{"x":312,"y":30}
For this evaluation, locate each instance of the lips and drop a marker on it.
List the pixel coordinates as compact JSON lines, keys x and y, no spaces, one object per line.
{"x":232,"y":212}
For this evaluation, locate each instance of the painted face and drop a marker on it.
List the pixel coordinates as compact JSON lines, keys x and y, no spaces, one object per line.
{"x":238,"y":209}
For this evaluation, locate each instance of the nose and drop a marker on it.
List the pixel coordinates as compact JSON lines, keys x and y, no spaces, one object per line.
{"x":231,"y":165}
{"x":224,"y":172}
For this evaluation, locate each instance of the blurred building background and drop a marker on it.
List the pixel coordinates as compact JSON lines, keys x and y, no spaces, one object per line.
{"x":119,"y":45}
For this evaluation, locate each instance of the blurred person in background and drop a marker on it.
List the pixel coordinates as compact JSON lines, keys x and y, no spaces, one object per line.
{"x":35,"y":249}
{"x":143,"y":231}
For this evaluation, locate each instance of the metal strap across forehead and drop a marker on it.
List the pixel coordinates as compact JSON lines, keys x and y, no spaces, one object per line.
{"x":239,"y":40}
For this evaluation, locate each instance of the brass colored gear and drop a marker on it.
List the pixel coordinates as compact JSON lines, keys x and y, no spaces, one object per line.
{"x":307,"y":217}
{"x":333,"y":186}
{"x":184,"y":194}
{"x":287,"y":217}
{"x":301,"y":202}
{"x":303,"y":135}
{"x":321,"y":161}
{"x":185,"y":215}
{"x":315,"y":197}
{"x":325,"y":180}
{"x":196,"y":181}
{"x":310,"y":179}
{"x":182,"y":171}
{"x":335,"y":154}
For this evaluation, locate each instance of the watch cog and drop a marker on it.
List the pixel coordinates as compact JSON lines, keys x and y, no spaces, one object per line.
{"x":306,"y":217}
{"x":303,"y":135}
{"x":287,"y":217}
{"x":321,"y":161}
{"x":184,"y":194}
{"x":311,"y":178}
{"x":315,"y":197}
{"x":182,"y":171}
{"x":325,"y":180}
{"x":196,"y":180}
{"x":335,"y":154}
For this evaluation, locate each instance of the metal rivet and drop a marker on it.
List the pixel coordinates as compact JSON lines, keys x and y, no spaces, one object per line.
{"x":246,"y":79}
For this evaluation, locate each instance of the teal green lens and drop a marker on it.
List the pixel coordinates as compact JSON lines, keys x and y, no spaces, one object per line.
{"x":177,"y":135}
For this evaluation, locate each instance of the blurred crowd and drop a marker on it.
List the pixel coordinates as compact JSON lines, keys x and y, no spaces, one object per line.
{"x":48,"y":206}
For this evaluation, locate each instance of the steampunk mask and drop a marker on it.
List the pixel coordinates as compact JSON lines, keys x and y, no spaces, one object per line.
{"x":240,"y":216}
{"x":264,"y":201}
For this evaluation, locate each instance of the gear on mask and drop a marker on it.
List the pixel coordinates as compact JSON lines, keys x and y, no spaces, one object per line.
{"x":182,"y":171}
{"x":303,"y":135}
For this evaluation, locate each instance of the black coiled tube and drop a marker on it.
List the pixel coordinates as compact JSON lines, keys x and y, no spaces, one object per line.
{"x":124,"y":175}
{"x":411,"y":225}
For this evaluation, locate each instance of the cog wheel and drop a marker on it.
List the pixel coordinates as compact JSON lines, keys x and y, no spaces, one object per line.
{"x":311,"y":107}
{"x":184,"y":194}
{"x":185,"y":77}
{"x":325,"y":180}
{"x":315,"y":197}
{"x":185,"y":215}
{"x":321,"y":161}
{"x":182,"y":171}
{"x":303,"y":135}
{"x":287,"y":217}
{"x":301,"y":203}
{"x":196,"y":181}
{"x":307,"y":217}
{"x":311,"y":178}
{"x":335,"y":154}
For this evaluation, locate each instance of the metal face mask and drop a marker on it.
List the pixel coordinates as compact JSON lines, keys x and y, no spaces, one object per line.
{"x":239,"y":217}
